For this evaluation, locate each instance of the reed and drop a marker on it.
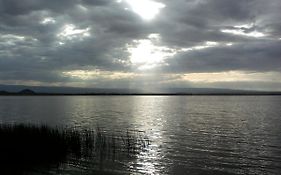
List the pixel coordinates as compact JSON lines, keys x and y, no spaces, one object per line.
{"x":29,"y":147}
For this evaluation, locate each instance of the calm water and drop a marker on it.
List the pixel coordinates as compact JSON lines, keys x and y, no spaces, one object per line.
{"x":189,"y":134}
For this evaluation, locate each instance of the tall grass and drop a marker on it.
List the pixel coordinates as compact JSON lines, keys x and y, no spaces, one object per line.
{"x":27,"y":147}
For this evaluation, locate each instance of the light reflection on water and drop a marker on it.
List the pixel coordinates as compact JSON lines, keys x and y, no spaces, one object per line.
{"x":190,"y":134}
{"x":148,"y":161}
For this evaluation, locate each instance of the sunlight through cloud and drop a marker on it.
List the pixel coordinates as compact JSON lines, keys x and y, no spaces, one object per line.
{"x":255,"y":34}
{"x":13,"y":39}
{"x":145,"y":55}
{"x":232,"y":76}
{"x":71,"y":32}
{"x":147,"y":9}
{"x":207,"y":44}
{"x":94,"y":74}
{"x":48,"y":20}
{"x":243,"y":30}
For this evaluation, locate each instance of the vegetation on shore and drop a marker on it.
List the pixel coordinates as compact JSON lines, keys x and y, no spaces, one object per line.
{"x":25,"y":147}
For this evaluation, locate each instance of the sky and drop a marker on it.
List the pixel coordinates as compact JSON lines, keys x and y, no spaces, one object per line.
{"x":143,"y":44}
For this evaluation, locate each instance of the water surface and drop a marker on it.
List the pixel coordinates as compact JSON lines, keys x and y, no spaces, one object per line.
{"x":189,"y":134}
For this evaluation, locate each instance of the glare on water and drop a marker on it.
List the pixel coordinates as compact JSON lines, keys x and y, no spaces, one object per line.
{"x":189,"y":134}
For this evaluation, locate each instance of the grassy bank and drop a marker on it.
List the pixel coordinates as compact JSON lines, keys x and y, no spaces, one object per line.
{"x":29,"y":147}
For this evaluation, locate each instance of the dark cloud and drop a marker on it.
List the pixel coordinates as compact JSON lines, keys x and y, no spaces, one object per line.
{"x":14,"y":7}
{"x":259,"y":56}
{"x":103,"y":49}
{"x":33,"y":49}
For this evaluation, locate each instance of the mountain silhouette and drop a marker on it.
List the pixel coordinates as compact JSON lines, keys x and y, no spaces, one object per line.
{"x":26,"y":92}
{"x":4,"y":92}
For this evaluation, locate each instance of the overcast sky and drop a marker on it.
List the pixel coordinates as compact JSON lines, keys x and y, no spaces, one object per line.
{"x":146,"y":44}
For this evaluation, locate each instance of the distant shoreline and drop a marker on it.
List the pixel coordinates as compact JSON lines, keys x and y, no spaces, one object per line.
{"x":149,"y":94}
{"x":28,"y":92}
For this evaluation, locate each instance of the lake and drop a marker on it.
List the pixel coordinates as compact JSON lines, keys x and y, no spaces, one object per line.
{"x":189,"y":134}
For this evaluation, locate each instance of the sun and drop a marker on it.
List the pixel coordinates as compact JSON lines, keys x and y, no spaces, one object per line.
{"x":146,"y":9}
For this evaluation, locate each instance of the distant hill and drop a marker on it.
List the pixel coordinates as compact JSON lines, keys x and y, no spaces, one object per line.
{"x":3,"y":92}
{"x":22,"y":92}
{"x":26,"y":92}
{"x":41,"y":90}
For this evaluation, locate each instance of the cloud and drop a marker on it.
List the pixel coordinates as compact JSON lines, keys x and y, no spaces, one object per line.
{"x":259,"y":56}
{"x":39,"y":40}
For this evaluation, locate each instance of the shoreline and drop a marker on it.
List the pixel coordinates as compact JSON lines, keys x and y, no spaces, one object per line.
{"x":145,"y":94}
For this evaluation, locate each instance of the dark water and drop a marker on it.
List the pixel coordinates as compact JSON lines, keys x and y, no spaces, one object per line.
{"x":189,"y":134}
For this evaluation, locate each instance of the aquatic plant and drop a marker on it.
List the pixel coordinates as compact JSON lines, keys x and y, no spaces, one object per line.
{"x":27,"y":147}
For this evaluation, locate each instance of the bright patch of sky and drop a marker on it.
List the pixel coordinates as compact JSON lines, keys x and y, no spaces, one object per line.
{"x":48,"y":20}
{"x":146,"y":9}
{"x":93,"y":74}
{"x":242,"y":30}
{"x":12,"y":39}
{"x":232,"y":76}
{"x":205,"y":45}
{"x":71,"y":32}
{"x":146,"y":55}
